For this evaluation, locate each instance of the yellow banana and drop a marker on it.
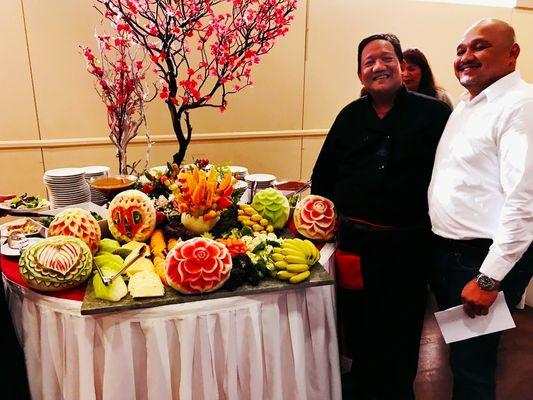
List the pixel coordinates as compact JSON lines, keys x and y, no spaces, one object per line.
{"x":292,"y":252}
{"x":314,"y":253}
{"x":296,"y":260}
{"x":297,"y":267}
{"x":299,"y":277}
{"x":277,"y":250}
{"x":277,"y":257}
{"x":298,"y":246}
{"x":291,"y":246}
{"x":281,"y":265}
{"x":284,"y":275}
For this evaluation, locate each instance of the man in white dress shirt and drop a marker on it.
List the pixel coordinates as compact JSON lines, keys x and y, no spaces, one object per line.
{"x":481,"y":196}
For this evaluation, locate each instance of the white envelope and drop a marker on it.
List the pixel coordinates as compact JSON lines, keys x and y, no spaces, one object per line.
{"x":455,"y":325}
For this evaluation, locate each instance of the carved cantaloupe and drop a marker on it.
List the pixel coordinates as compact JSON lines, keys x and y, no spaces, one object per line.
{"x":78,"y":223}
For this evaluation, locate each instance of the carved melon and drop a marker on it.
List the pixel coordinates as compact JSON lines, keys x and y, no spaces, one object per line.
{"x":78,"y":223}
{"x":131,"y":216}
{"x":198,"y":265}
{"x":315,"y":217}
{"x":56,"y":263}
{"x":273,"y":206}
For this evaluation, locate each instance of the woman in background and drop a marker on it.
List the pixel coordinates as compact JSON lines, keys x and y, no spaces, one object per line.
{"x":417,"y":76}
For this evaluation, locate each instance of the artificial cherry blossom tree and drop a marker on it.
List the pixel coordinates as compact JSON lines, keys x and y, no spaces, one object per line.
{"x":202,"y":50}
{"x":119,"y":68}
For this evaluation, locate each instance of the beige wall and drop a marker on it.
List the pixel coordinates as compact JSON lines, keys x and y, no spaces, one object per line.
{"x":51,"y":116}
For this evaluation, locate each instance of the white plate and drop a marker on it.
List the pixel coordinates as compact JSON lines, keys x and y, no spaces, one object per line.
{"x":8,"y":251}
{"x":96,"y":170}
{"x":4,"y":228}
{"x":240,"y":185}
{"x":260,"y":178}
{"x":6,"y":206}
{"x":63,"y":172}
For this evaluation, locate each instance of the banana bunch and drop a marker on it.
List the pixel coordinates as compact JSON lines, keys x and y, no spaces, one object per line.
{"x":248,"y":216}
{"x":293,"y":259}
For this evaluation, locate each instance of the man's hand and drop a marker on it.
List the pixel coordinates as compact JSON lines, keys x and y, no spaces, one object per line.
{"x":477,"y":301}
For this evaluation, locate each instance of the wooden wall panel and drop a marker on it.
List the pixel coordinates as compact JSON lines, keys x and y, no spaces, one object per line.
{"x":337,"y":26}
{"x":69,"y":107}
{"x":17,"y":112}
{"x":21,"y":171}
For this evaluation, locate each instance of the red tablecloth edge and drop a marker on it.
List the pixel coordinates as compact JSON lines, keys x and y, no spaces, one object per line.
{"x":10,"y":268}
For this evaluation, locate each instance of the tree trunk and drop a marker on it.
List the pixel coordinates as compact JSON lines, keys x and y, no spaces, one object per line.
{"x":122,"y":161}
{"x":183,"y":140}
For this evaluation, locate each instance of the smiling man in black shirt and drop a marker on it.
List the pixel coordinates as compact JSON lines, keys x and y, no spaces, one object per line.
{"x":376,"y":166}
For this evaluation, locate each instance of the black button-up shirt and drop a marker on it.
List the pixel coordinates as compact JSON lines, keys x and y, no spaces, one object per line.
{"x":379,"y":169}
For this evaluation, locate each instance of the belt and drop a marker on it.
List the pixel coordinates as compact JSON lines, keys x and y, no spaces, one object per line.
{"x":482,"y":244}
{"x":365,"y":224}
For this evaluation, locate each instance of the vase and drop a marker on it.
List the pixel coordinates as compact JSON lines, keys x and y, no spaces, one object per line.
{"x":197,"y":224}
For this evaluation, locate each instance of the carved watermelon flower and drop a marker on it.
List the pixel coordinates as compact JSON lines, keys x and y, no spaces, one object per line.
{"x":198,"y":265}
{"x":314,"y":217}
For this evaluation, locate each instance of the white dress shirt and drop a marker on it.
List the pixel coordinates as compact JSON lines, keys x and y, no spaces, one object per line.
{"x":482,"y":183}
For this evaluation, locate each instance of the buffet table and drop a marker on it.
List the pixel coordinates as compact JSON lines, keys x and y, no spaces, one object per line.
{"x":280,"y":345}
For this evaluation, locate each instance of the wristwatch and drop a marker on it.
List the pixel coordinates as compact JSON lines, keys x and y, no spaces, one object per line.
{"x":487,"y":283}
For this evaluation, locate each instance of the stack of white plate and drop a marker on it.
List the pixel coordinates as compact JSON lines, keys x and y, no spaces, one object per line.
{"x":256,"y":183}
{"x":66,"y":186}
{"x":94,"y":172}
{"x":238,"y":172}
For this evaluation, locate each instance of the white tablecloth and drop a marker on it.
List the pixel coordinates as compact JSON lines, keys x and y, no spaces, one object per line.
{"x":271,"y":346}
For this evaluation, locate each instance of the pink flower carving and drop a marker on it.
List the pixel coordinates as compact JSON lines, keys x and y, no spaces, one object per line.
{"x":315,"y":217}
{"x":198,"y":265}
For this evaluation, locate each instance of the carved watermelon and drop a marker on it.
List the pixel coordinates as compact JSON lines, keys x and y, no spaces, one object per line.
{"x":78,"y":223}
{"x":273,"y":206}
{"x":198,"y":265}
{"x":131,"y":216}
{"x":314,"y":217}
{"x":56,"y":263}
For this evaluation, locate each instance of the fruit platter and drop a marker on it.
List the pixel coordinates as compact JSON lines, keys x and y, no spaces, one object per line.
{"x":181,"y":234}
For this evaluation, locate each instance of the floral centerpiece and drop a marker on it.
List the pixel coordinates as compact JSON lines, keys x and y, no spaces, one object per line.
{"x":202,"y":50}
{"x":119,"y":68}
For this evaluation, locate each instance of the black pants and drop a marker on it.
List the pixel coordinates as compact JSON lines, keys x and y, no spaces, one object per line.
{"x":473,"y":361}
{"x":382,"y":323}
{"x":13,"y":381}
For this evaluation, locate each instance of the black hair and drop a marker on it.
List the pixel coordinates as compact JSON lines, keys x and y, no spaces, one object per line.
{"x":427,"y":84}
{"x":389,"y":37}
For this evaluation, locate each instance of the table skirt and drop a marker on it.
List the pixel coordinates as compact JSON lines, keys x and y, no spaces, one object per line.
{"x":279,"y":345}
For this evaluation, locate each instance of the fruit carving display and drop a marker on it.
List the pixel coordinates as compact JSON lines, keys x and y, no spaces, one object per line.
{"x":56,"y":263}
{"x":248,"y":216}
{"x":78,"y":223}
{"x":273,"y":206}
{"x":131,"y":216}
{"x":198,"y":265}
{"x":293,"y":259}
{"x":314,"y":217}
{"x":201,"y":196}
